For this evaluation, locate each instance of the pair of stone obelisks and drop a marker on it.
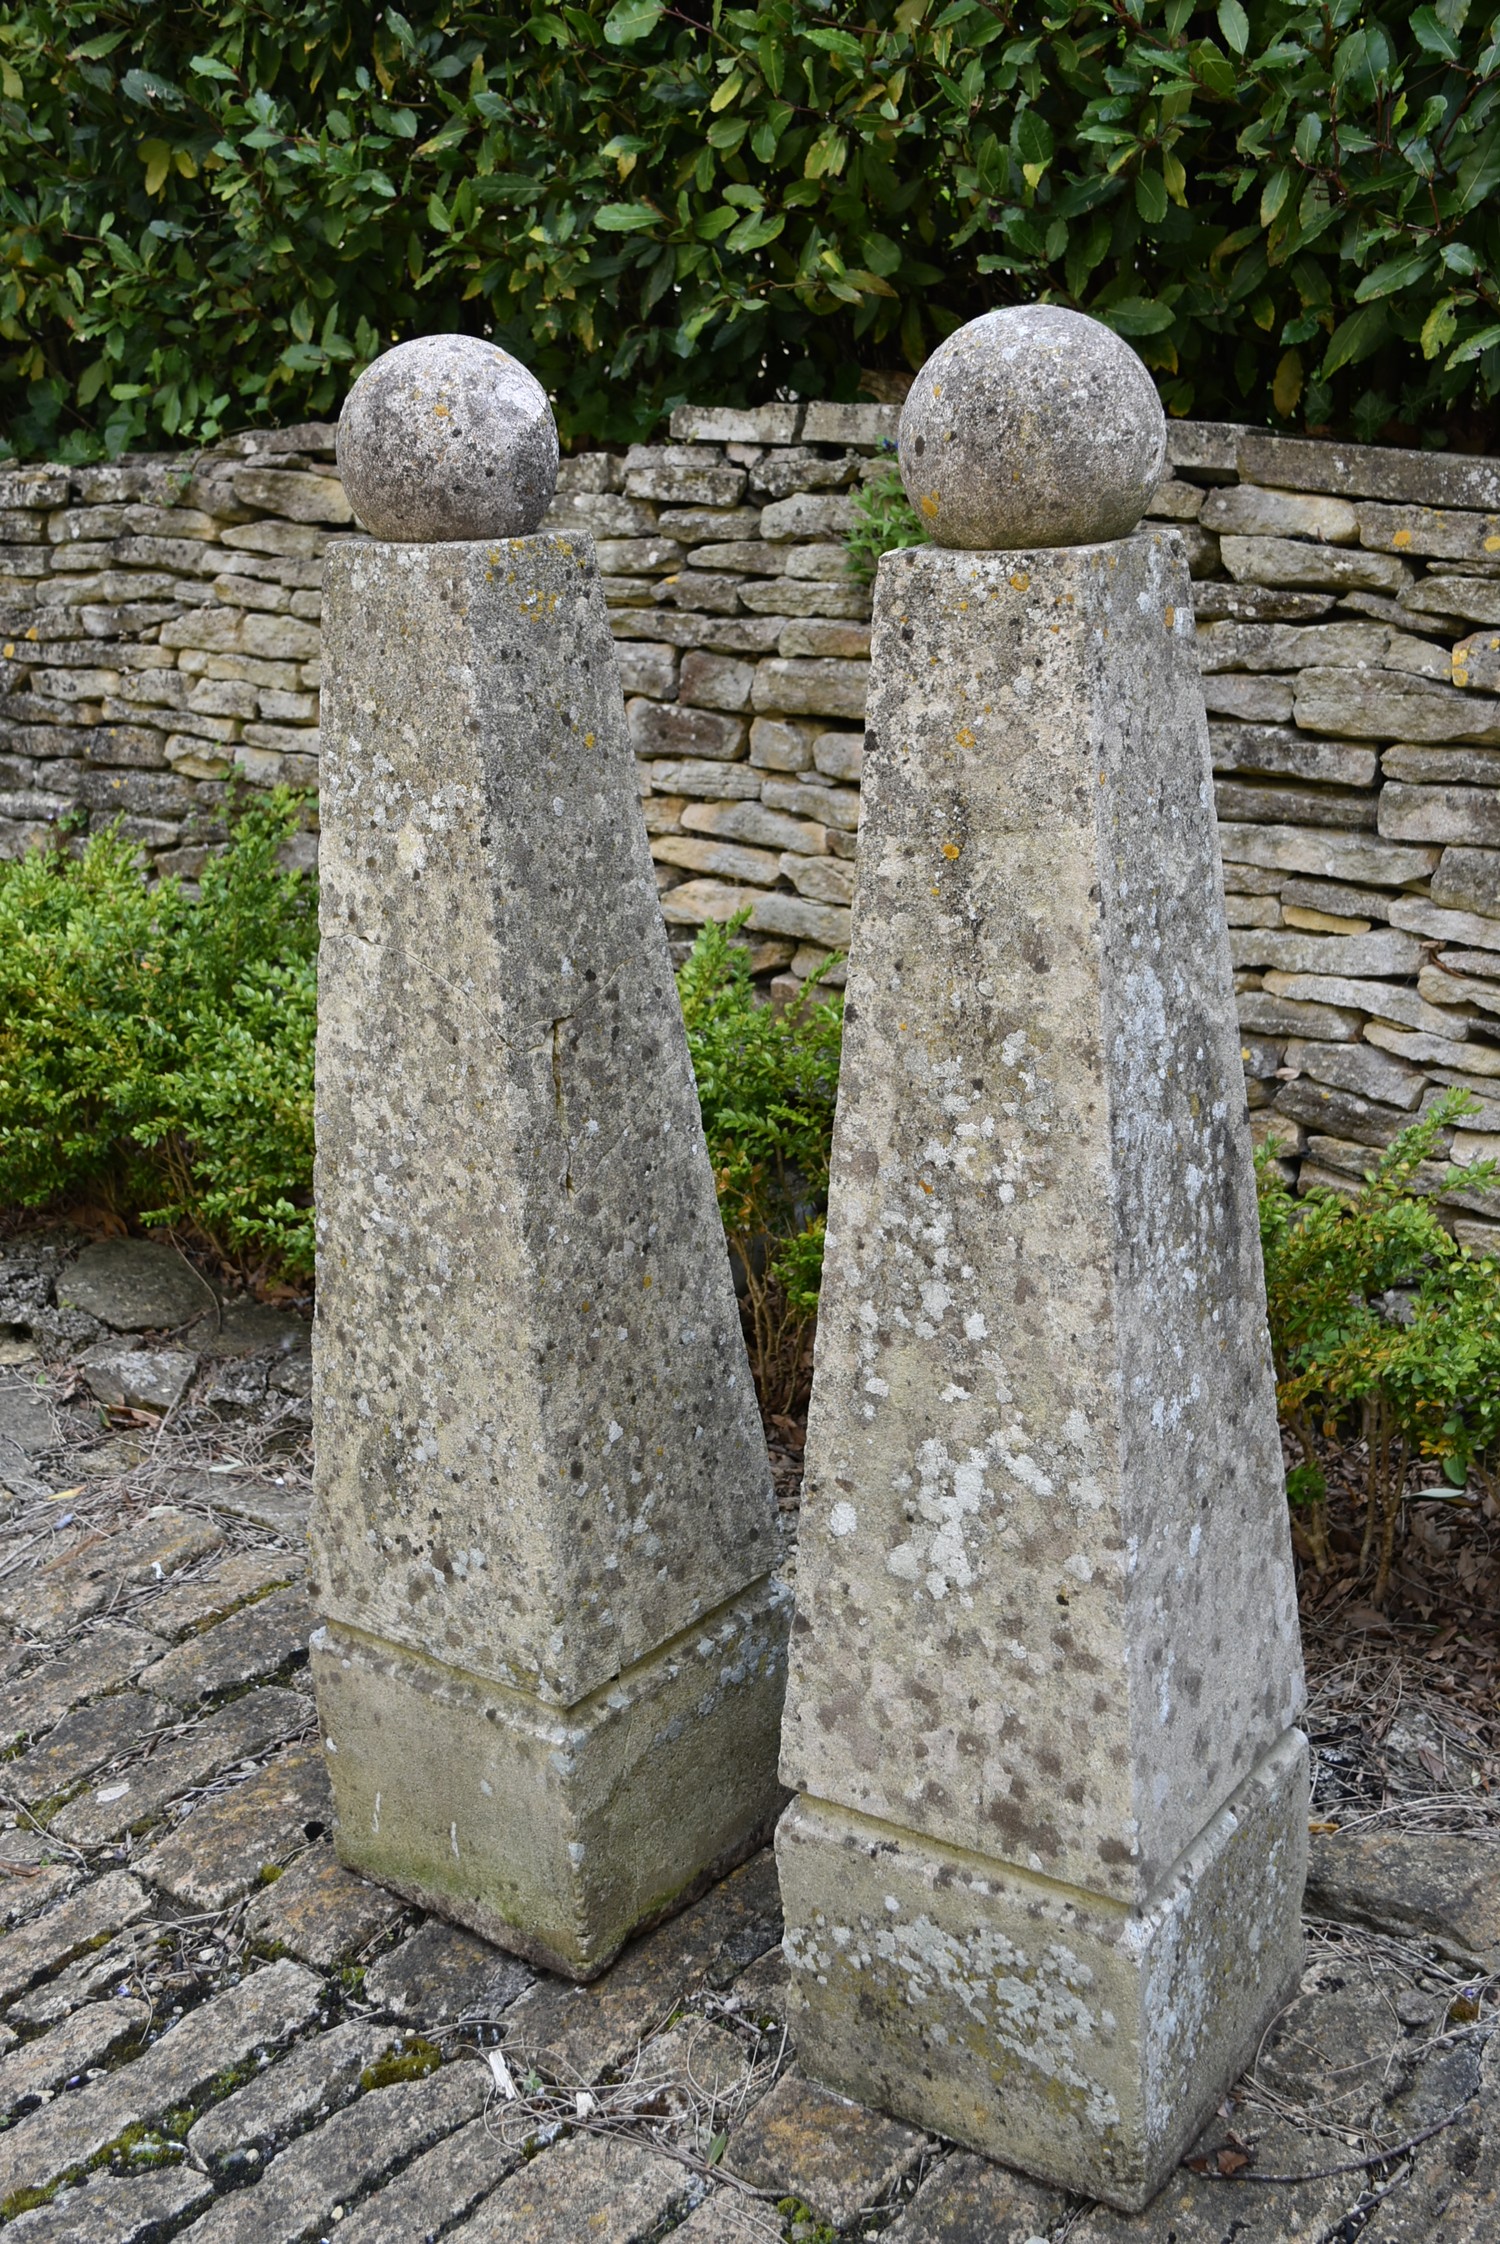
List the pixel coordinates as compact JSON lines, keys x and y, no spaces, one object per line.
{"x":1043,"y":1867}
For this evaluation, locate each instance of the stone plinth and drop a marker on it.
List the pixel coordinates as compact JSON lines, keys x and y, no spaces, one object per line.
{"x":552,"y":1662}
{"x":1042,"y":1882}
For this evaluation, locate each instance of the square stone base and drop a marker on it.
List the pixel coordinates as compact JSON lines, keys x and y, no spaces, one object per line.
{"x":557,"y":1832}
{"x":1066,"y":2035}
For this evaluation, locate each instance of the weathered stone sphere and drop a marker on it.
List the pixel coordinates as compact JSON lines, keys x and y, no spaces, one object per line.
{"x":1032,"y":426}
{"x":448,"y":437}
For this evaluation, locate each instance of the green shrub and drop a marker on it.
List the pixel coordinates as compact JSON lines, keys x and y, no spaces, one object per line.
{"x":1416,"y":1376}
{"x":156,"y":1046}
{"x":884,"y":521}
{"x":214,"y":216}
{"x":767,"y":1084}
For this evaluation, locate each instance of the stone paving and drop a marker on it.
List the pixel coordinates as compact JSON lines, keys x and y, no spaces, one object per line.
{"x":210,"y":2031}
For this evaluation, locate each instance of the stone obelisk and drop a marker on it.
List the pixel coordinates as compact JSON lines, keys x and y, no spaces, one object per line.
{"x":1042,"y":1879}
{"x":552,"y":1657}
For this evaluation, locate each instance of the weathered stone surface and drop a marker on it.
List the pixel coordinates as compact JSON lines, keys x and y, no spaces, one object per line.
{"x":1440,"y":814}
{"x":1277,"y":748}
{"x":733,"y":424}
{"x":140,"y":2210}
{"x":1471,"y":599}
{"x":439,"y":1972}
{"x":1368,"y":471}
{"x":435,"y":2191}
{"x":1274,"y":646}
{"x":608,"y":2190}
{"x":1358,"y":1068}
{"x":1469,"y":880}
{"x":824,"y":687}
{"x":320,"y":1913}
{"x":1449,"y":535}
{"x":1387,"y":952}
{"x":725,"y":860}
{"x":968,"y":2201}
{"x":1207,"y":2209}
{"x":82,"y":1742}
{"x":653,"y":473}
{"x":26,"y":1416}
{"x":1260,"y":801}
{"x":1279,"y":1016}
{"x":754,"y":823}
{"x":209,"y":1596}
{"x":776,"y":745}
{"x":108,"y":1656}
{"x":1342,"y":1114}
{"x":316,"y":2078}
{"x":1256,"y":701}
{"x":85,"y":1581}
{"x":575,"y":2034}
{"x":1441,"y":986}
{"x":1389,"y":1001}
{"x":709,"y":782}
{"x":667,"y":729}
{"x":256,"y":1642}
{"x":567,"y":1626}
{"x":947,"y":1681}
{"x":831,"y":806}
{"x":135,"y":1285}
{"x":138,"y":1378}
{"x":1032,"y":426}
{"x":647,"y":667}
{"x":447,"y":437}
{"x":726,"y":2217}
{"x":134,"y":1797}
{"x":302,"y":498}
{"x":1437,"y":767}
{"x":259,"y":2013}
{"x":348,"y":2154}
{"x":219,"y":1850}
{"x":1250,"y":510}
{"x":1328,"y":855}
{"x":1369,"y":706}
{"x":1291,"y":562}
{"x":90,"y":2035}
{"x":838,"y":2158}
{"x":1257,"y":603}
{"x":1444,"y":1051}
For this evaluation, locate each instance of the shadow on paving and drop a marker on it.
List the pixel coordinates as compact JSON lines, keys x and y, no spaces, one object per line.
{"x":210,"y":2030}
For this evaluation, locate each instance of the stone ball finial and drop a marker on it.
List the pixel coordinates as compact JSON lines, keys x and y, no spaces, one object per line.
{"x":447,"y":437}
{"x":1033,"y":426}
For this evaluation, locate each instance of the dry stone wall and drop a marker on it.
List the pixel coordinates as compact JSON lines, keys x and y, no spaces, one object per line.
{"x":159,"y":637}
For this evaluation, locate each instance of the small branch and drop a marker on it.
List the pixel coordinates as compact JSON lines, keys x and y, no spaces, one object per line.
{"x":1351,"y":2166}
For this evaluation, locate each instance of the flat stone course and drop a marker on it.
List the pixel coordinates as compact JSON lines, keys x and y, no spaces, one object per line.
{"x":219,"y":1850}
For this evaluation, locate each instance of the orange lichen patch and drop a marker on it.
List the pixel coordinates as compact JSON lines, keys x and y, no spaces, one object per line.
{"x":951,"y":850}
{"x":930,"y":506}
{"x":1401,"y":537}
{"x":964,"y":737}
{"x":1019,"y":581}
{"x":1169,"y":620}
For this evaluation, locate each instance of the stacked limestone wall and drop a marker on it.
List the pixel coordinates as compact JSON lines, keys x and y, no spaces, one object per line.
{"x":159,"y":635}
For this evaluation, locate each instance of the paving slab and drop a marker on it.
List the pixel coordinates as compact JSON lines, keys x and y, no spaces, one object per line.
{"x":112,"y":1969}
{"x":84,"y":1581}
{"x":106,"y":1657}
{"x":838,"y":2157}
{"x":727,"y":2217}
{"x":282,"y":1511}
{"x":135,"y":1796}
{"x":257,"y":1642}
{"x":218,"y":1851}
{"x":314,"y":2080}
{"x":26,"y":1416}
{"x":439,"y":1973}
{"x":968,"y":2201}
{"x":49,"y":1941}
{"x":123,"y":1377}
{"x":320,"y":1912}
{"x":435,"y":2191}
{"x":1224,"y":2209}
{"x":573,"y":2034}
{"x":89,"y":2036}
{"x":1444,"y":1888}
{"x":303,"y":2190}
{"x":82,"y":1742}
{"x":208,"y":1597}
{"x":600,"y":2187}
{"x":143,"y":2210}
{"x":134,"y":1285}
{"x":262,"y":2011}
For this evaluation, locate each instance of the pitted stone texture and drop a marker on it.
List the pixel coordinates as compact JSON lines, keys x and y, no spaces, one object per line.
{"x":448,"y":437}
{"x":1045,"y":1598}
{"x":1032,"y":426}
{"x":1046,"y":1625}
{"x":554,"y":1470}
{"x":1081,"y":2042}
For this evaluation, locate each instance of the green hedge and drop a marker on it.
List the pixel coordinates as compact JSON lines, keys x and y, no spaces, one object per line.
{"x":216,"y":215}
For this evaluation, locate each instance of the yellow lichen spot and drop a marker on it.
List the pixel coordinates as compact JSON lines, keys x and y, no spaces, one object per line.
{"x":646,"y":1281}
{"x":31,"y":634}
{"x":440,"y":413}
{"x":926,"y":1187}
{"x":588,"y":740}
{"x":1400,"y":538}
{"x":952,"y":850}
{"x":937,"y":389}
{"x":1460,"y":677}
{"x":10,"y":648}
{"x":934,"y":892}
{"x":1492,"y":545}
{"x":929,"y":506}
{"x":964,"y":737}
{"x":1169,"y":620}
{"x":1019,"y":581}
{"x":901,"y":1028}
